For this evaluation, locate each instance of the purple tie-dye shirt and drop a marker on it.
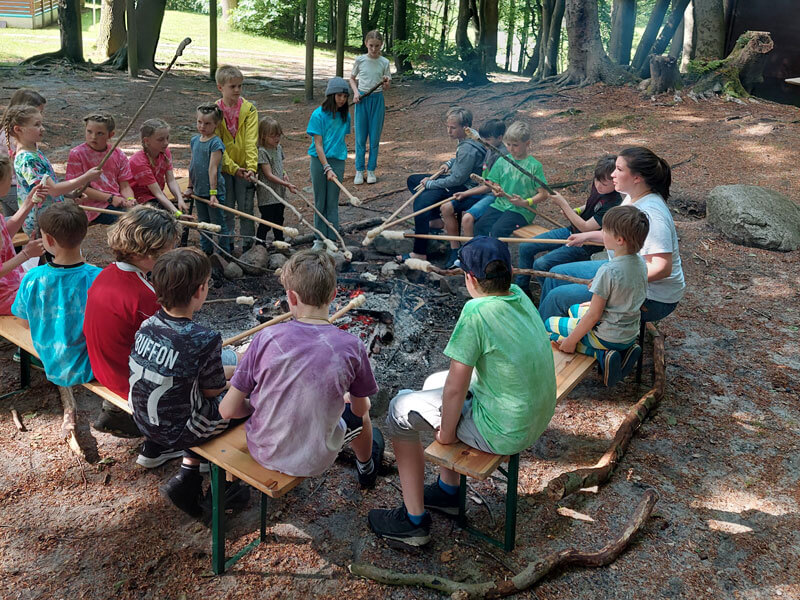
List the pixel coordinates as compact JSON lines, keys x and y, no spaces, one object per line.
{"x":296,"y":375}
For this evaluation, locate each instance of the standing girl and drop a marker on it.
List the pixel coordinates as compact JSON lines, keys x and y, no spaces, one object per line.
{"x":369,"y":70}
{"x":22,"y":97}
{"x":328,"y":126}
{"x":24,"y":124}
{"x":152,"y":168}
{"x":271,"y":173}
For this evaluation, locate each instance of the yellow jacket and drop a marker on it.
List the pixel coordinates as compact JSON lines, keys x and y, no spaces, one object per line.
{"x":242,"y":151}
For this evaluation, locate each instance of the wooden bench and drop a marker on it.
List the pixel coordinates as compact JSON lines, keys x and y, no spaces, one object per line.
{"x":227,"y":453}
{"x":530,"y":231}
{"x":471,"y":462}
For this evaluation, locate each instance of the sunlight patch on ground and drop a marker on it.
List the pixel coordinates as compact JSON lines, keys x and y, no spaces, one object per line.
{"x":728,"y":527}
{"x":729,"y":497}
{"x":611,"y":131}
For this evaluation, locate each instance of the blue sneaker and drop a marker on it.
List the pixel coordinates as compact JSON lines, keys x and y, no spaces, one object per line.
{"x":630,"y":359}
{"x":612,"y":368}
{"x":451,"y":258}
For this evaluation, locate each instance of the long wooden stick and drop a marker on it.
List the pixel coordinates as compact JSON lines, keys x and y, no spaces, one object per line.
{"x":348,"y":255}
{"x":418,"y":212}
{"x":497,"y":190}
{"x":424,"y":265}
{"x":313,"y":207}
{"x":353,"y":200}
{"x":373,"y":233}
{"x":178,"y":52}
{"x":354,"y":303}
{"x":371,"y":90}
{"x":290,"y":231}
{"x":507,"y":240}
{"x":472,"y":133}
{"x":197,"y":224}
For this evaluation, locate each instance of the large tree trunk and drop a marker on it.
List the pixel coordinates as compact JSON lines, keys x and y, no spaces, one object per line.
{"x":510,"y":31}
{"x":588,"y":61}
{"x":470,"y":58}
{"x":523,"y":38}
{"x":550,"y":37}
{"x":400,"y":34}
{"x":664,"y":74}
{"x":69,"y":20}
{"x":369,"y":21}
{"x":149,"y":16}
{"x":227,"y":7}
{"x":111,"y":36}
{"x":689,"y":36}
{"x":676,"y":45}
{"x":445,"y":16}
{"x":311,"y":38}
{"x":661,"y":43}
{"x":710,"y":21}
{"x":623,"y":22}
{"x":490,"y":16}
{"x":341,"y":24}
{"x":650,"y":33}
{"x":740,"y":71}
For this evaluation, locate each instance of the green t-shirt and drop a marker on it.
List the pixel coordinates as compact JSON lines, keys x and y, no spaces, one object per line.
{"x":514,"y":182}
{"x":514,"y":392}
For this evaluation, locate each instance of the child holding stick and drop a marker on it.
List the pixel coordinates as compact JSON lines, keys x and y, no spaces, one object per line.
{"x":11,"y":272}
{"x":23,"y":97}
{"x":24,"y":124}
{"x":369,"y":70}
{"x":152,"y":168}
{"x":205,"y":174}
{"x":271,"y":173}
{"x":113,"y":190}
{"x":328,"y":126}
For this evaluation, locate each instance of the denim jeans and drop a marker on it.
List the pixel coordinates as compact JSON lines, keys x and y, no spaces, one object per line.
{"x":422,"y":223}
{"x":369,"y":115}
{"x":554,"y":255}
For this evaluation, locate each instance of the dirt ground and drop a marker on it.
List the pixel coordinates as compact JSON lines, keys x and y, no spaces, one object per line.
{"x":723,"y":450}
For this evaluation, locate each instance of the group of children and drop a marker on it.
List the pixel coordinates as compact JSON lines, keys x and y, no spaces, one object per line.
{"x":131,"y":325}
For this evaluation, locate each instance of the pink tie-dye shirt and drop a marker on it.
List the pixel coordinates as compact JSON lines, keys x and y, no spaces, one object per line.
{"x":9,"y":283}
{"x":116,"y":170}
{"x":231,"y":114}
{"x":146,"y":173}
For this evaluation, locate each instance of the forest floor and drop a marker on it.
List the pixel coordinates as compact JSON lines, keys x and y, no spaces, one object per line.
{"x":722,"y":450}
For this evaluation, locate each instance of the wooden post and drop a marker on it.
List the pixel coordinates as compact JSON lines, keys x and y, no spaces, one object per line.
{"x":212,"y":38}
{"x":341,"y":33}
{"x":310,"y":39}
{"x":133,"y":47}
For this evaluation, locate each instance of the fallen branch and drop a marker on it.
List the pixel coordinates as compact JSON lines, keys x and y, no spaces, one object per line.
{"x":393,"y":235}
{"x":418,"y":264}
{"x":567,"y":483}
{"x":383,"y":195}
{"x":17,"y":420}
{"x":529,"y":576}
{"x":245,"y":300}
{"x":347,"y":254}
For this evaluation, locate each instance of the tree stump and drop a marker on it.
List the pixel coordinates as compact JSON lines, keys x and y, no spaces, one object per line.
{"x":664,"y":75}
{"x":739,"y":72}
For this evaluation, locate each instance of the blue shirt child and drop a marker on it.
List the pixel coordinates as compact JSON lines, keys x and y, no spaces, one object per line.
{"x":332,"y":129}
{"x":198,"y":168}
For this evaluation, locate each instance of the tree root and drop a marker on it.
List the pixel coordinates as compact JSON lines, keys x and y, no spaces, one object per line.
{"x":568,"y":483}
{"x":68,"y":424}
{"x":528,"y":576}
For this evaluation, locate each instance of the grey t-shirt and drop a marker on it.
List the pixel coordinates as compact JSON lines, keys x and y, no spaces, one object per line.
{"x":198,"y":168}
{"x":274,"y":157}
{"x":622,"y":281}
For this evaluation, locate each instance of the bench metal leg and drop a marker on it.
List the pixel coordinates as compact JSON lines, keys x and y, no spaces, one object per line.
{"x":24,"y":374}
{"x":510,"y":532}
{"x":218,"y":562}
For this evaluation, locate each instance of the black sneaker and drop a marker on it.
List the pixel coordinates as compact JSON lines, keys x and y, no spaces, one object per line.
{"x":612,"y":366}
{"x":367,"y":480}
{"x":630,"y":359}
{"x":237,"y":496}
{"x":452,"y":257}
{"x":439,"y":500}
{"x":185,"y":491}
{"x":117,"y":423}
{"x":395,"y":525}
{"x":152,"y":455}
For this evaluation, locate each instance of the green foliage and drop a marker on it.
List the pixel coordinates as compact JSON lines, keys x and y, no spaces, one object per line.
{"x":195,"y":6}
{"x":698,"y":68}
{"x":267,"y":17}
{"x":430,"y":61}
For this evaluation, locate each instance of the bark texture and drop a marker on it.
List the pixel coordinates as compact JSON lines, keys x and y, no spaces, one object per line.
{"x":470,"y":57}
{"x":490,"y":19}
{"x":739,"y":72}
{"x":667,"y":33}
{"x":111,"y":36}
{"x":400,"y":33}
{"x":650,"y":33}
{"x":623,"y":22}
{"x":710,"y":23}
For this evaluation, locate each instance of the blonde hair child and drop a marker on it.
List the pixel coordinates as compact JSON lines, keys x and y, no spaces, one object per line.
{"x":152,"y":169}
{"x":369,"y":70}
{"x":271,"y":173}
{"x":24,"y":124}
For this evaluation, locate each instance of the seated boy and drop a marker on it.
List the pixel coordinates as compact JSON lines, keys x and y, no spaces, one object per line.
{"x":113,"y":189}
{"x":609,"y":324}
{"x":471,"y":206}
{"x":499,"y":395}
{"x":308,"y":383}
{"x":177,"y":374}
{"x":505,"y":215}
{"x":52,"y":298}
{"x":120,"y":299}
{"x":468,"y":160}
{"x":602,"y":198}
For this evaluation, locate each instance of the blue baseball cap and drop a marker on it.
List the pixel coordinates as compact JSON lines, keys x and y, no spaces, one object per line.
{"x":476,"y":254}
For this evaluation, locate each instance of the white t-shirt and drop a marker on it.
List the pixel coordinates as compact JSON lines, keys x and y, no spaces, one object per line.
{"x":662,"y":239}
{"x":369,"y":71}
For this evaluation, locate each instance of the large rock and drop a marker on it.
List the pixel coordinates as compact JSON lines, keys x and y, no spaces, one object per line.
{"x":233,"y":271}
{"x":276,"y":261}
{"x":258,"y":257}
{"x":755,"y":216}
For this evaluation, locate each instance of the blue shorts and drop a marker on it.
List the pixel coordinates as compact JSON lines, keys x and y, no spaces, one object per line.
{"x":481,"y":206}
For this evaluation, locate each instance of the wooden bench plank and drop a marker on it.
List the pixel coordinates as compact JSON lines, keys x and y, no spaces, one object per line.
{"x":20,"y":239}
{"x":107,"y":394}
{"x":229,"y":451}
{"x":529,"y":231}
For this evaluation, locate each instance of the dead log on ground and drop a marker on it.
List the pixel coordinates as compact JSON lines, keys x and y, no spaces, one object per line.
{"x":739,"y":72}
{"x":529,"y":576}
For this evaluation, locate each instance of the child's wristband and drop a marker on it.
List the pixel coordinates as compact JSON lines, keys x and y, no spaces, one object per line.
{"x":530,"y":201}
{"x":131,"y":198}
{"x":178,"y":214}
{"x":212,"y":192}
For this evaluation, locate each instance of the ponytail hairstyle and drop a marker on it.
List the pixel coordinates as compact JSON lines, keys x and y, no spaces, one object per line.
{"x":653,"y":169}
{"x":373,"y":35}
{"x":5,"y":168}
{"x":18,"y":115}
{"x":28,"y":97}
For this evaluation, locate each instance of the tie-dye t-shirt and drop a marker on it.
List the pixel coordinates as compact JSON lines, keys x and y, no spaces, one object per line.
{"x":53,"y":301}
{"x":296,"y":375}
{"x":9,"y":283}
{"x":231,"y":115}
{"x":115,"y":170}
{"x":30,"y":167}
{"x":146,"y":173}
